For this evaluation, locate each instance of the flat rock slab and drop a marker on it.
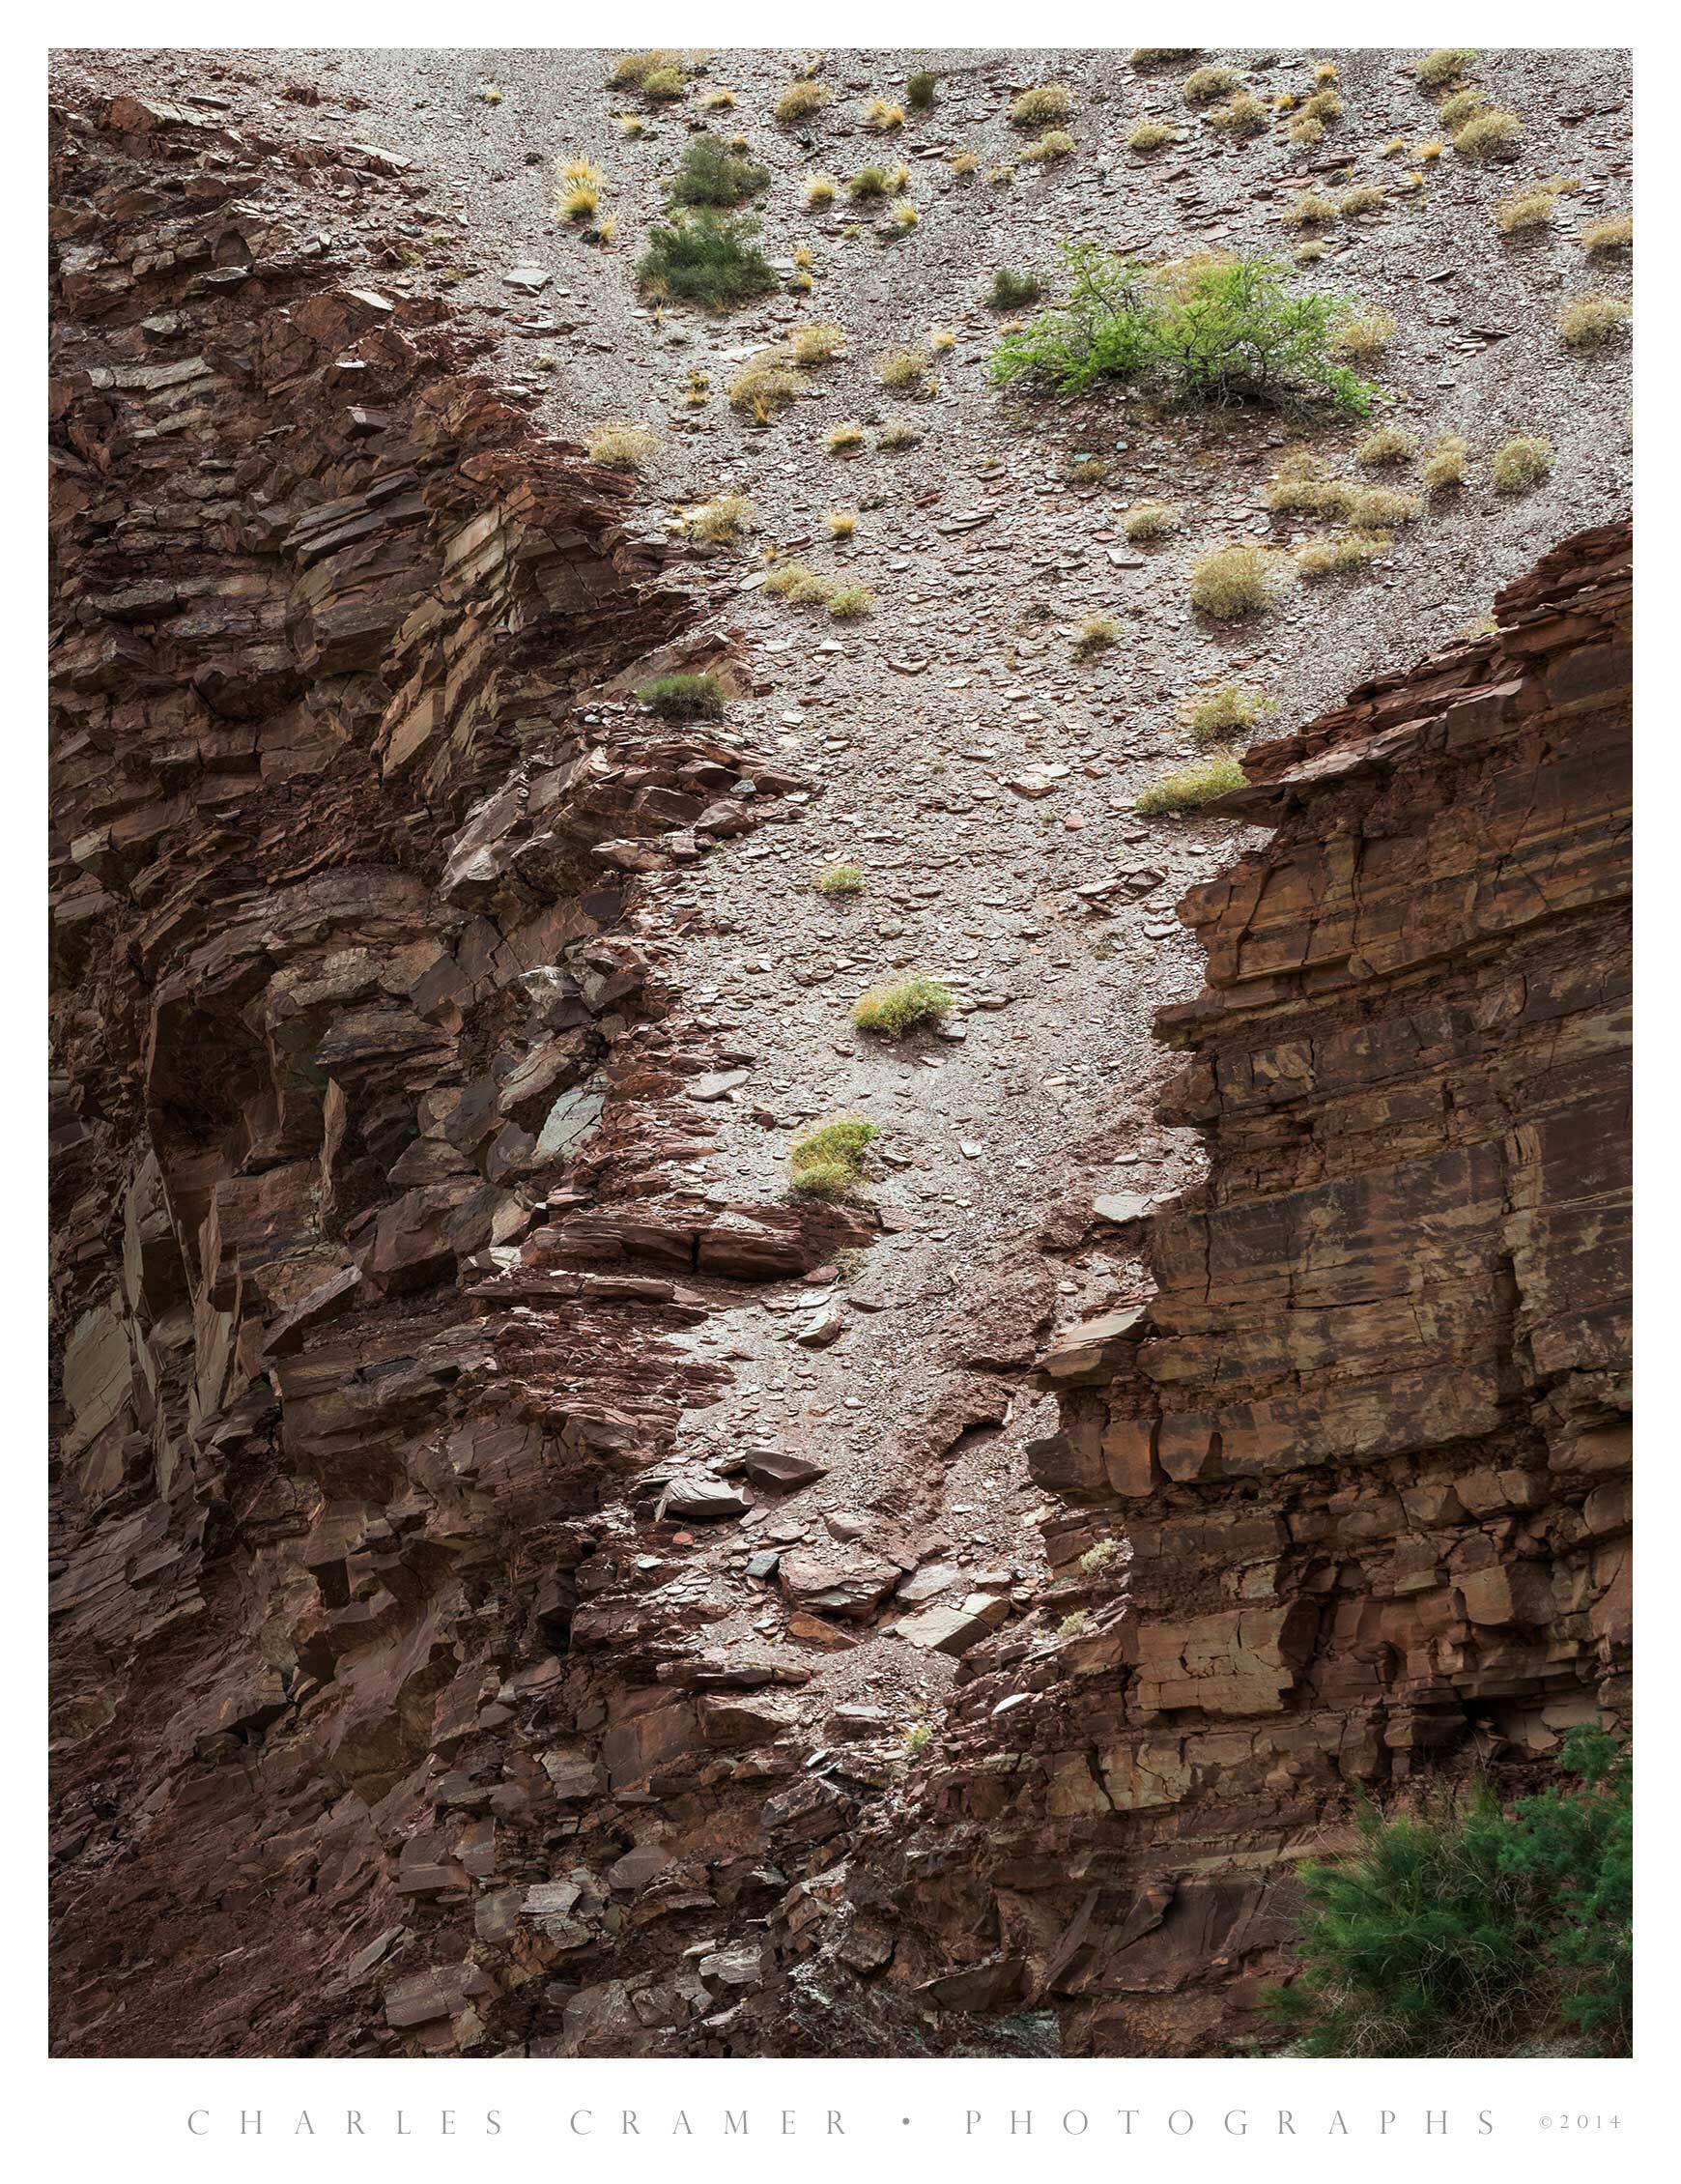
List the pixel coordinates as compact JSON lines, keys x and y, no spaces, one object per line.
{"x":953,"y":1629}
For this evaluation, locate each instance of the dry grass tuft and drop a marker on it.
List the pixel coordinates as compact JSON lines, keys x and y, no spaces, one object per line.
{"x":801,"y":100}
{"x":1204,"y":86}
{"x":623,"y":446}
{"x":1149,"y":136}
{"x":962,"y":164}
{"x":841,"y":879}
{"x":1605,"y":236}
{"x":767,"y":385}
{"x":841,"y":522}
{"x":1241,"y":116}
{"x":1374,"y":508}
{"x":941,"y":338}
{"x":1303,"y":486}
{"x":898,"y":434}
{"x":1591,"y":322}
{"x":1095,"y":633}
{"x":1444,"y":461}
{"x":820,"y":189}
{"x":1151,"y":520}
{"x":847,"y":601}
{"x":1492,"y":134}
{"x":845,"y":439}
{"x":869,"y":181}
{"x":1309,"y":130}
{"x":1342,"y":554}
{"x":1389,"y":443}
{"x":1445,"y":65}
{"x":881,"y":114}
{"x":1196,"y":785}
{"x":1044,"y":103}
{"x":1322,"y":106}
{"x":1367,"y":198}
{"x":1311,"y":209}
{"x":1234,"y":708}
{"x":1232,"y":584}
{"x":1364,"y":333}
{"x":903,"y":370}
{"x":721,"y":520}
{"x":816,"y":344}
{"x":1520,"y":462}
{"x":1054,"y":144}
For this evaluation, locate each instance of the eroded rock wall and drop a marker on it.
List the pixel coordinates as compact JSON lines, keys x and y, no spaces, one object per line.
{"x":1348,"y":1494}
{"x":372,"y":1234}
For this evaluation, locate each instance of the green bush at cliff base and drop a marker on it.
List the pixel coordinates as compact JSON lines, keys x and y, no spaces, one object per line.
{"x":1476,"y":1929}
{"x":1203,"y":331}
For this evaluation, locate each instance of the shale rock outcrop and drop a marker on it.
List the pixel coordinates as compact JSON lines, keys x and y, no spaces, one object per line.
{"x":397,"y":1705}
{"x":372,"y":1250}
{"x":1348,"y":1494}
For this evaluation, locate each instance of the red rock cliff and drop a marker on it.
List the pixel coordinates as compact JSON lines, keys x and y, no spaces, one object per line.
{"x":1348,"y":1494}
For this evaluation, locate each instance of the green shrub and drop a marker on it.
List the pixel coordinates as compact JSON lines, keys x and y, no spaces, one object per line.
{"x":1196,"y":785}
{"x":707,"y":258}
{"x":684,"y":696}
{"x":711,"y":174}
{"x":828,"y":1162}
{"x":1014,"y":291}
{"x":1471,"y":1930}
{"x":919,"y":91}
{"x":895,"y":1008}
{"x":1210,"y":330}
{"x":870,"y":181}
{"x":841,"y":879}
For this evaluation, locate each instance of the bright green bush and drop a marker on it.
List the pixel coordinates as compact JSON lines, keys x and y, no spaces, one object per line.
{"x":1208,"y":331}
{"x":711,"y":174}
{"x":706,"y":258}
{"x":1474,"y":1929}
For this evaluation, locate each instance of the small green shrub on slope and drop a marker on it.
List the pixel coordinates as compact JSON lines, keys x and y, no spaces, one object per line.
{"x":706,"y":258}
{"x":1210,"y":330}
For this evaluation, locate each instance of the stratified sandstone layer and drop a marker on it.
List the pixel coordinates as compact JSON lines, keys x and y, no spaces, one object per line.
{"x":372,"y":1241}
{"x":1349,"y":1494}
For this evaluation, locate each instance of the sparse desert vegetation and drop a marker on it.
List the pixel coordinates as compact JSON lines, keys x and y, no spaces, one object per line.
{"x":684,"y":696}
{"x":1044,"y":103}
{"x":1232,"y":584}
{"x":1591,"y":321}
{"x":1230,"y":710}
{"x":1203,"y":331}
{"x":1523,"y":461}
{"x":902,"y":1006}
{"x":1444,"y":461}
{"x":1191,"y":785}
{"x":1151,"y":520}
{"x":621,"y":446}
{"x":706,"y":258}
{"x":828,"y":1162}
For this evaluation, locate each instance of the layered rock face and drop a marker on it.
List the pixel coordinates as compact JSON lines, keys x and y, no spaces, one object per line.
{"x":389,"y":1712}
{"x":1348,"y":1495}
{"x":373,"y":1241}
